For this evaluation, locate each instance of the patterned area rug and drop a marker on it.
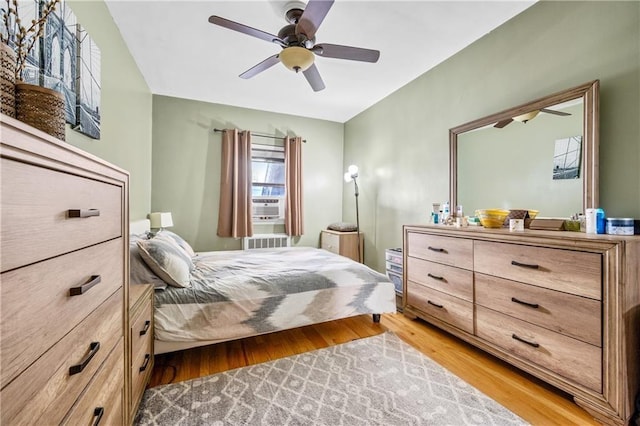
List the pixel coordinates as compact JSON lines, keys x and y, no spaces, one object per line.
{"x":378,"y":380}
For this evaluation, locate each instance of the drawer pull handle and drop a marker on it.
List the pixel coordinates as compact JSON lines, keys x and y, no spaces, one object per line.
{"x":434,"y":304}
{"x":520,"y":339}
{"x":77,"y":291}
{"x":531,"y":305}
{"x":147,"y":324}
{"x":147,"y":358}
{"x":524,"y":265}
{"x":93,"y":349}
{"x":435,"y":277}
{"x":98,"y":413}
{"x":438,"y":249}
{"x":83,"y":212}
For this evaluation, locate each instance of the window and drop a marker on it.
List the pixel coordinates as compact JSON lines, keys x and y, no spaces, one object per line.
{"x":268,"y":182}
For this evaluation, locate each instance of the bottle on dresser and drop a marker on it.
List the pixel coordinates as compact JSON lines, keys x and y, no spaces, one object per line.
{"x":446,"y":212}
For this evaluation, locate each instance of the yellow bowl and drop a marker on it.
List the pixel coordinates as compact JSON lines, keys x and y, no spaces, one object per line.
{"x":533,"y":214}
{"x":492,"y":218}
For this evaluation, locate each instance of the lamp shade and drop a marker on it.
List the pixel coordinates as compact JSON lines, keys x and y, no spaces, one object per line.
{"x":296,"y":58}
{"x":161,"y":220}
{"x":526,"y":117}
{"x":352,"y":173}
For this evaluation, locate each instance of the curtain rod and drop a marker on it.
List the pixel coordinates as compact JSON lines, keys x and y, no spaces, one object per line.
{"x":261,"y":135}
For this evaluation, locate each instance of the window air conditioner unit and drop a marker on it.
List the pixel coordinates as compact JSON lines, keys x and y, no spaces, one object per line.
{"x":267,"y":208}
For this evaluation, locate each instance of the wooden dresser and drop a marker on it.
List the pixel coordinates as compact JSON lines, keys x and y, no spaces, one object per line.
{"x":141,"y":337}
{"x":343,"y":243}
{"x":563,"y":306}
{"x":64,"y":283}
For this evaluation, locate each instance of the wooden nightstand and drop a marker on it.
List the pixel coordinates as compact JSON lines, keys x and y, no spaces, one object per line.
{"x":343,"y":243}
{"x":141,"y":338}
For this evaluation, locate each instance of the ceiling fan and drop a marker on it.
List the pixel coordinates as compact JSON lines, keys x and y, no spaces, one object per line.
{"x":298,"y":42}
{"x":523,"y":118}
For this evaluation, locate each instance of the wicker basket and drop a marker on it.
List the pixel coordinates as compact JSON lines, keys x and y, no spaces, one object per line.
{"x":7,"y":80}
{"x":41,"y":108}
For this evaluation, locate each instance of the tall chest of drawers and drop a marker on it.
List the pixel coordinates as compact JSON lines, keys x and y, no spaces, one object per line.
{"x":64,"y":283}
{"x":563,"y":306}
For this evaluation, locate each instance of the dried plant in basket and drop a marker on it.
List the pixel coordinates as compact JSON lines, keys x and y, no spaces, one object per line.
{"x":24,"y":38}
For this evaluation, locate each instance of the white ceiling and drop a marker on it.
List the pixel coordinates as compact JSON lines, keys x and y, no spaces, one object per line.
{"x":181,"y":54}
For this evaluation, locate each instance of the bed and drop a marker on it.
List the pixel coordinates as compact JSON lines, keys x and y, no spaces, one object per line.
{"x":242,"y":293}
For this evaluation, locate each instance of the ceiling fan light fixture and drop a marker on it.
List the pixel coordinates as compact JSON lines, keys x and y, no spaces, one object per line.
{"x":526,"y":117}
{"x":296,"y":58}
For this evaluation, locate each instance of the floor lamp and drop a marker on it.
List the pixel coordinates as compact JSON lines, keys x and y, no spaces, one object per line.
{"x":352,"y":175}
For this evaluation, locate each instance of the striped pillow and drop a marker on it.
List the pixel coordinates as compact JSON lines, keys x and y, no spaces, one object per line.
{"x":167,"y":260}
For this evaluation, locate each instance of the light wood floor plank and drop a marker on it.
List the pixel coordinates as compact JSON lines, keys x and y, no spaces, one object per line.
{"x":530,"y":398}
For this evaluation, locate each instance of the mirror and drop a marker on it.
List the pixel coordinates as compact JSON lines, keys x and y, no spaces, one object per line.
{"x":542,"y":155}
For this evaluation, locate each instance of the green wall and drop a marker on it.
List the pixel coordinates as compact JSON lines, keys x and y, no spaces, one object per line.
{"x":401,"y":143}
{"x":186,"y":166}
{"x":126,"y":103}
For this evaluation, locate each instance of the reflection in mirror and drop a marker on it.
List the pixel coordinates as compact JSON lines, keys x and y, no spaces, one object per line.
{"x":539,"y":156}
{"x":506,"y":167}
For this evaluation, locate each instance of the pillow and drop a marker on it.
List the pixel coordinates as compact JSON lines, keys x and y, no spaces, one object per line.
{"x":139,"y":272}
{"x":342,"y":227}
{"x":178,"y":240}
{"x":167,"y":260}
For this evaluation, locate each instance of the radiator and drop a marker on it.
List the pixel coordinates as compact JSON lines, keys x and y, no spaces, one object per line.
{"x":266,"y":241}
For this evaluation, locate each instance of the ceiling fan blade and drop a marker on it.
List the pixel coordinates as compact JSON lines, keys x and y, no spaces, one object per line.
{"x":501,"y":124}
{"x":552,"y":111}
{"x":313,"y":77}
{"x":241,"y":28}
{"x":313,"y":16}
{"x":346,"y":52}
{"x":258,"y":68}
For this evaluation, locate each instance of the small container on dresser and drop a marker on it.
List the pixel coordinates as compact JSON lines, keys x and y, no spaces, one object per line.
{"x":141,"y":335}
{"x":343,"y":243}
{"x":64,"y":282}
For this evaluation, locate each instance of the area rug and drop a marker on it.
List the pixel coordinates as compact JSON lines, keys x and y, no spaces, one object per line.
{"x":377,"y":380}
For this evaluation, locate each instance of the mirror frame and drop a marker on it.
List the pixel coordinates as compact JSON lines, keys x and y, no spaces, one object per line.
{"x":589,"y":92}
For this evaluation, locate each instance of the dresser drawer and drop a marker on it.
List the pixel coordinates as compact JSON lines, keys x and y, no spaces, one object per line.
{"x":446,"y":250}
{"x":141,"y":329}
{"x":330,"y":242}
{"x":45,"y":391}
{"x":568,"y":357}
{"x":141,"y":366}
{"x":447,"y":279}
{"x":35,"y":218}
{"x":449,"y":309}
{"x":568,"y":271}
{"x":575,"y":316}
{"x":37,"y":309}
{"x":101,"y":403}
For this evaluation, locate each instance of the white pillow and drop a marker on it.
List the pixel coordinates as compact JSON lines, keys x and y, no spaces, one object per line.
{"x":167,"y":260}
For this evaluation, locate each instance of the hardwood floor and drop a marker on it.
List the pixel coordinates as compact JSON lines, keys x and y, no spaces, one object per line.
{"x":533,"y":400}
